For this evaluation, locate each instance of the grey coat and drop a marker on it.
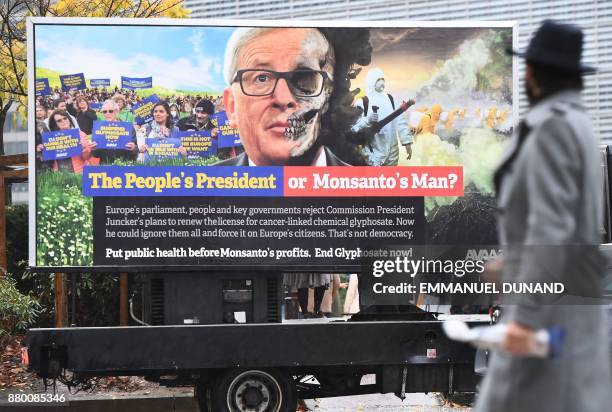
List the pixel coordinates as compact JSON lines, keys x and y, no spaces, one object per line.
{"x":550,"y":200}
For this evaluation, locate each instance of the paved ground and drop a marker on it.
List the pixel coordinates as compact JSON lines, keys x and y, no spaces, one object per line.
{"x":416,"y":402}
{"x":184,"y":402}
{"x":142,"y":396}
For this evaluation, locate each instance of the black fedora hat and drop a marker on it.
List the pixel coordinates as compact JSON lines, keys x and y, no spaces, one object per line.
{"x":556,"y":45}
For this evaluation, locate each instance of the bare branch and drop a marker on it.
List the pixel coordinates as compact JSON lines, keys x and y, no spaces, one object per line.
{"x":110,"y":8}
{"x":138,"y":6}
{"x":158,"y":12}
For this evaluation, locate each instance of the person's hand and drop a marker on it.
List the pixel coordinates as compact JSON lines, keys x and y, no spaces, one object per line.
{"x":143,"y":148}
{"x":343,"y":285}
{"x":409,"y":150}
{"x":164,"y":130}
{"x":39,"y":148}
{"x":93,"y":145}
{"x":130,"y":146}
{"x":372,"y":117}
{"x":85,"y":142}
{"x":182,"y":151}
{"x":82,"y":134}
{"x":519,"y":339}
{"x":214,"y":132}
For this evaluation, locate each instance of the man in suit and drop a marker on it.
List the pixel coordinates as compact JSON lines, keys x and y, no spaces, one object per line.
{"x":549,"y":190}
{"x":279,"y":84}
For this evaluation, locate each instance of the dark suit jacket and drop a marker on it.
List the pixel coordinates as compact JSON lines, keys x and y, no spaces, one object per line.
{"x":243,"y":160}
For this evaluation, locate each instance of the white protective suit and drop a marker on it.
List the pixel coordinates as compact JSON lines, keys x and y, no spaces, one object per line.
{"x":384,"y":148}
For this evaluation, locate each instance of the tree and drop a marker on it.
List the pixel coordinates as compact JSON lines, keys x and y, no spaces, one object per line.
{"x":13,"y":75}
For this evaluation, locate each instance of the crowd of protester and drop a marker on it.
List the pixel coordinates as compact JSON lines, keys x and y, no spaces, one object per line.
{"x":73,"y":110}
{"x":185,"y":103}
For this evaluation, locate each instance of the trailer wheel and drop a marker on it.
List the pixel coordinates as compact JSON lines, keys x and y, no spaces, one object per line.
{"x":253,"y":390}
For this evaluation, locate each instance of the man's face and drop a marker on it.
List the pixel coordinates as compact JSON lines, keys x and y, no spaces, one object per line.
{"x":201,"y":115}
{"x":61,"y":106}
{"x":262,"y":121}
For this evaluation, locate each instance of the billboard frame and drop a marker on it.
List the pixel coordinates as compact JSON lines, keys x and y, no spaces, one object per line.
{"x":32,"y":22}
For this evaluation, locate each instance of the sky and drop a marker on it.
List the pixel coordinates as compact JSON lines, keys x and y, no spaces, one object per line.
{"x":188,"y":58}
{"x":191,"y":58}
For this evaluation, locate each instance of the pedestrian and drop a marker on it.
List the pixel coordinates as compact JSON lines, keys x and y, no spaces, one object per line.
{"x":549,"y":191}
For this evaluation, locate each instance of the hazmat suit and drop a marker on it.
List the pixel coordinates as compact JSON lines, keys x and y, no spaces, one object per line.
{"x":382,"y":149}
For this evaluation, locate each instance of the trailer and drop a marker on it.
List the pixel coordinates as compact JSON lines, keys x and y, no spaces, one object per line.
{"x":262,"y":366}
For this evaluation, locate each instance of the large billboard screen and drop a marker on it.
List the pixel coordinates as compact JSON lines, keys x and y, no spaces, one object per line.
{"x":255,"y":145}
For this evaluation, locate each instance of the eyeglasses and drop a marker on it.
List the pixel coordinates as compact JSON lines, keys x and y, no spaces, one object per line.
{"x":61,"y":119}
{"x":108,"y":111}
{"x":301,"y":82}
{"x":198,"y":110}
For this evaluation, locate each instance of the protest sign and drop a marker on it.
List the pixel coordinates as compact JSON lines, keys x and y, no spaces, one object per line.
{"x":133,"y":83}
{"x":198,"y":143}
{"x":228,"y":136}
{"x":42,"y":87}
{"x":163,"y":147}
{"x":73,"y":82}
{"x":143,"y":111}
{"x":112,"y":135}
{"x":61,"y":144}
{"x":99,"y":82}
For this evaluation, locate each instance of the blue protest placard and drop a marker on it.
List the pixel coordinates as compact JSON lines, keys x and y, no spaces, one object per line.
{"x":73,"y":82}
{"x":228,"y":136}
{"x":198,"y":143}
{"x":133,"y":83}
{"x":163,"y":147}
{"x":61,"y":144}
{"x":143,"y":111}
{"x":97,"y":106}
{"x":112,"y":135}
{"x":42,"y":87}
{"x":99,"y":82}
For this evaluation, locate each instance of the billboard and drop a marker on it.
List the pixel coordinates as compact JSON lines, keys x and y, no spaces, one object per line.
{"x":270,"y":147}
